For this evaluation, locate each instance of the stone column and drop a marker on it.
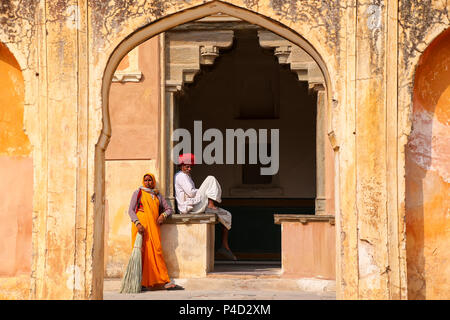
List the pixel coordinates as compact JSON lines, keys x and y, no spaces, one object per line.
{"x":170,"y":110}
{"x":320,"y":201}
{"x":163,"y":136}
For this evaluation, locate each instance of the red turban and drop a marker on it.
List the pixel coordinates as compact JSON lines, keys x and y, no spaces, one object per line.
{"x":186,"y":158}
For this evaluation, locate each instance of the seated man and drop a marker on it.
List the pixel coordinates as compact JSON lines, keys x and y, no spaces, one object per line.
{"x":192,"y":200}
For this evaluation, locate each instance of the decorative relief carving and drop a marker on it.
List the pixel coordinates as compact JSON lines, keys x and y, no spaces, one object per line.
{"x":208,"y":54}
{"x":283,"y":53}
{"x":186,"y":51}
{"x":288,"y":53}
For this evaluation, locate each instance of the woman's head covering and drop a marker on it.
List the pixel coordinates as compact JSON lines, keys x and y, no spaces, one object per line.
{"x":153,"y":185}
{"x":186,"y":158}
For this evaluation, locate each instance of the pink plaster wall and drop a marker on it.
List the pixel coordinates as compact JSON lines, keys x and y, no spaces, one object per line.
{"x":16,"y":172}
{"x":134,"y":109}
{"x":16,"y":188}
{"x":428,"y":176}
{"x":308,"y":250}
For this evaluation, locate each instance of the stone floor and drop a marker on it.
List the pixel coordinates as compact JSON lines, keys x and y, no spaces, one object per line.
{"x":235,"y":282}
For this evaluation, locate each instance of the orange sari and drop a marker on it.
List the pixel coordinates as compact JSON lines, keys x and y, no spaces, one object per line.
{"x":154,"y":270}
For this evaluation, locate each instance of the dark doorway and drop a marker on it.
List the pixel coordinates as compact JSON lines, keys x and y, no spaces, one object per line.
{"x":247,"y":88}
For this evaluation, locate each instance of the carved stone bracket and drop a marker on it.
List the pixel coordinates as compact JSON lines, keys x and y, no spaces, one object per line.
{"x":208,"y":54}
{"x":283,"y":53}
{"x":186,"y":51}
{"x":173,"y":86}
{"x":288,"y":53}
{"x":317,"y":86}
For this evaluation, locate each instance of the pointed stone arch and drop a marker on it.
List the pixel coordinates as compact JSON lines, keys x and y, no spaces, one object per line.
{"x":138,"y":37}
{"x":210,"y":8}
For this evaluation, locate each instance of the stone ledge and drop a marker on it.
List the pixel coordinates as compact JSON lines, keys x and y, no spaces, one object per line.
{"x":191,"y":218}
{"x":303,"y":218}
{"x":256,"y":191}
{"x":127,"y":76}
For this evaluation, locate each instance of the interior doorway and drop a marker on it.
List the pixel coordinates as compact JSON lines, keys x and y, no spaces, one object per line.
{"x":275,"y":72}
{"x":248,"y":88}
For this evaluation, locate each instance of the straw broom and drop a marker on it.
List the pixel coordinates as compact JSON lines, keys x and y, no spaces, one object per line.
{"x":131,"y":282}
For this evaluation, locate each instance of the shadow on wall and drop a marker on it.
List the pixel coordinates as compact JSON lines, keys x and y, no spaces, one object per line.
{"x":428,"y":176}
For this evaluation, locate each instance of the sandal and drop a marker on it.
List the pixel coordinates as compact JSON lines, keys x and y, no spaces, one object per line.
{"x":174,"y":287}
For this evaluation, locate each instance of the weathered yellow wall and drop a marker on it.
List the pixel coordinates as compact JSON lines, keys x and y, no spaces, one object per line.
{"x":16,"y":183}
{"x":428,"y":176}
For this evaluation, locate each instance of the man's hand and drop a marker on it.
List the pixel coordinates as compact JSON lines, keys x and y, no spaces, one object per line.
{"x":140,"y":228}
{"x":161,"y":219}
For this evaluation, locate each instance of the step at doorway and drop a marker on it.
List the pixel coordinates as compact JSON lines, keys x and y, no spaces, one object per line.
{"x":246,"y":269}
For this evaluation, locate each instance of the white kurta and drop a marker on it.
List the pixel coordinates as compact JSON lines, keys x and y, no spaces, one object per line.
{"x":192,"y":200}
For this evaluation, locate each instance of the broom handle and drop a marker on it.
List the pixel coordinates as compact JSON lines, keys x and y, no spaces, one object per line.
{"x":138,"y":241}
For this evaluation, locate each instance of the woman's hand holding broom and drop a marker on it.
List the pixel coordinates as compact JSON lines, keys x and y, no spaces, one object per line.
{"x":140,"y":228}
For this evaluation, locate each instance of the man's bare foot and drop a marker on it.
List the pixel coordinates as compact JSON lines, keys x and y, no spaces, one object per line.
{"x":211,"y":204}
{"x":211,"y":210}
{"x":227,"y":253}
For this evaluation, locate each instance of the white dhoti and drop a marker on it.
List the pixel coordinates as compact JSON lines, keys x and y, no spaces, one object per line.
{"x":210,"y":189}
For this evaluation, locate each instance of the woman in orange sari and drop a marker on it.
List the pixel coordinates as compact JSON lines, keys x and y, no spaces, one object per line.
{"x":148,"y":210}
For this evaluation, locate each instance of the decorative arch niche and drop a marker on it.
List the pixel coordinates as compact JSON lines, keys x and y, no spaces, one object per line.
{"x":428,"y":175}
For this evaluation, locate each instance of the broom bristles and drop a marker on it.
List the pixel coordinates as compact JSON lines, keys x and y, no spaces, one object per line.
{"x":131,"y":282}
